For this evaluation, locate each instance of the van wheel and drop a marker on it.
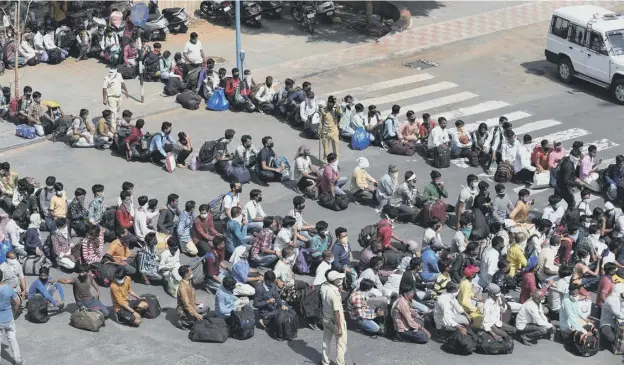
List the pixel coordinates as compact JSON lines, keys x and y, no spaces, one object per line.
{"x":565,"y":70}
{"x":618,"y":91}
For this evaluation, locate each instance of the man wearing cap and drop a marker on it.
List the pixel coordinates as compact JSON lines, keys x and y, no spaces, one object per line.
{"x":334,"y":324}
{"x":489,"y":261}
{"x":523,"y":170}
{"x":387,"y":185}
{"x":467,"y":299}
{"x":611,"y":315}
{"x":493,"y":309}
{"x":330,"y":116}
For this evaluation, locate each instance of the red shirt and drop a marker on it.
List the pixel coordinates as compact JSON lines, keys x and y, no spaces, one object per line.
{"x":134,"y":137}
{"x":604,"y":286}
{"x":232,"y":84}
{"x":384,"y":232}
{"x":124,"y":218}
{"x":423,"y":130}
{"x":565,"y":250}
{"x":528,"y":286}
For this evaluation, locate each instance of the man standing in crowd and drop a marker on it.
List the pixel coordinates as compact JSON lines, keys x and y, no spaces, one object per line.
{"x":334,"y":323}
{"x":111,"y":94}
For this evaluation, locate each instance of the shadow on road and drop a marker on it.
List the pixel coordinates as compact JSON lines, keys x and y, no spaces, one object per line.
{"x":302,"y":348}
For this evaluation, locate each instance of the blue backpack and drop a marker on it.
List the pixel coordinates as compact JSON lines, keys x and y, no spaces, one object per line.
{"x":360,"y":139}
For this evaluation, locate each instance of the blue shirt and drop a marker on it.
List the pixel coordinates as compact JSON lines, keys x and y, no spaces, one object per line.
{"x":430,"y":264}
{"x":318,"y":245}
{"x":158,"y":142}
{"x":240,"y":271}
{"x":4,"y":248}
{"x":225,"y":302}
{"x":185,"y":223}
{"x":570,"y":318}
{"x":234,"y":235}
{"x":37,"y":287}
{"x":6,"y":303}
{"x":341,"y":256}
{"x":390,"y":129}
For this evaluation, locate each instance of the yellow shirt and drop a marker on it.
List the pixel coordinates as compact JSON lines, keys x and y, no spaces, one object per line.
{"x":102,"y":127}
{"x":517,"y":260}
{"x":329,"y":119}
{"x":617,"y":279}
{"x":119,"y":293}
{"x":465,"y":296}
{"x":58,"y":206}
{"x":360,"y":179}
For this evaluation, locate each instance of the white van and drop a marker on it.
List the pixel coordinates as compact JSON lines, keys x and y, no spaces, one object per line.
{"x":587,"y":42}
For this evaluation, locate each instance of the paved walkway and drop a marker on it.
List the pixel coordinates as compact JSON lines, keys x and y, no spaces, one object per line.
{"x":427,"y":36}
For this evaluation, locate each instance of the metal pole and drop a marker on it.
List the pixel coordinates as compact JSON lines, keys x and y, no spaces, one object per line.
{"x":18,"y":38}
{"x":239,"y":63}
{"x":141,"y":70}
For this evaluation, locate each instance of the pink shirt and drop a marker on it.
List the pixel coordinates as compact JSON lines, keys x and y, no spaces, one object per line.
{"x":407,"y":130}
{"x":554,"y":157}
{"x":587,"y":163}
{"x":328,"y":178}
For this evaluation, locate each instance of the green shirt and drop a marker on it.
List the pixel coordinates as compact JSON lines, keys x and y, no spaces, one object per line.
{"x":433,"y":192}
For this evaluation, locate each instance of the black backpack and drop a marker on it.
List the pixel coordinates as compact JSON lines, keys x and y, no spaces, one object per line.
{"x":210,"y":330}
{"x":458,"y":344}
{"x":337,"y":203}
{"x":242,"y":323}
{"x":153,"y":306}
{"x":173,"y":87}
{"x":189,"y":100}
{"x":208,"y":151}
{"x":21,"y":214}
{"x":284,"y":325}
{"x":54,"y":56}
{"x":104,"y":274}
{"x":37,"y":309}
{"x":489,"y":346}
{"x":368,"y":235}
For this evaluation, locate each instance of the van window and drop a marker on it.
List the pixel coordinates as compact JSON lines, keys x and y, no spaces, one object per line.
{"x":578,"y":34}
{"x":560,"y":27}
{"x":595,"y":42}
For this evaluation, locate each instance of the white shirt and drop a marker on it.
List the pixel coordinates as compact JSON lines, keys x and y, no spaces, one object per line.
{"x":429,"y":237}
{"x":38,"y":42}
{"x":169,"y":261}
{"x":48,"y":42}
{"x":491,"y":314}
{"x":523,"y":159}
{"x":437,"y":137}
{"x":619,"y":226}
{"x":253,"y":210}
{"x":509,"y":152}
{"x":530,"y":312}
{"x":298,"y":218}
{"x":264,"y":94}
{"x":302,"y":165}
{"x":546,"y":259}
{"x":392,"y":285}
{"x":557,"y":291}
{"x":489,"y":266}
{"x":466,"y":196}
{"x":458,"y":244}
{"x":283,"y":272}
{"x":13,"y":232}
{"x":229,"y":201}
{"x":612,"y":311}
{"x":307,"y":108}
{"x":457,"y":143}
{"x":370,"y":275}
{"x":140,"y":224}
{"x":284,"y":237}
{"x":193,"y":52}
{"x":321,"y":270}
{"x":446,"y":309}
{"x":609,"y":258}
{"x":552,"y":214}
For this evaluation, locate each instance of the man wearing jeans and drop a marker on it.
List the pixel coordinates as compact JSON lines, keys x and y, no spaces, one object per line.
{"x":331,"y":181}
{"x":82,"y":290}
{"x":263,"y":253}
{"x":8,"y":301}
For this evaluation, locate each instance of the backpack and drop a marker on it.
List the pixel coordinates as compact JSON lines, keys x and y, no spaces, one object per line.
{"x":153,"y":306}
{"x":54,"y":56}
{"x":208,"y":151}
{"x":174,"y":86}
{"x":310,"y":304}
{"x":189,"y":100}
{"x":21,"y":214}
{"x":368,"y":235}
{"x":337,"y":203}
{"x":104,"y":274}
{"x":586,"y":347}
{"x":504,"y":173}
{"x":87,"y":319}
{"x":284,"y":325}
{"x":48,"y":249}
{"x":37,"y":309}
{"x":216,"y":206}
{"x":210,"y":330}
{"x":489,"y":346}
{"x":458,"y":344}
{"x":242,"y":323}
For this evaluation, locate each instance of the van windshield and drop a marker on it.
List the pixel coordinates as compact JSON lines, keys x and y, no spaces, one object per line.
{"x":616,"y":39}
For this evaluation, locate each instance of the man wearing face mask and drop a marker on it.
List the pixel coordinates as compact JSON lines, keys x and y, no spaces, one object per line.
{"x":34,"y":113}
{"x":231,"y":200}
{"x":8,"y":184}
{"x":531,"y":322}
{"x":104,"y":131}
{"x":246,"y":154}
{"x":308,"y":108}
{"x":120,"y":251}
{"x":253,"y":211}
{"x":406,"y":198}
{"x":385,"y":232}
{"x":236,"y":231}
{"x":498,"y":137}
{"x":386,"y":187}
{"x":501,"y":205}
{"x":524,"y":171}
{"x":204,"y":231}
{"x":267,"y":172}
{"x":343,"y":256}
{"x":614,"y":177}
{"x":330,"y":116}
{"x":509,"y":149}
{"x":128,"y":311}
{"x":222,"y":155}
{"x":77,"y":213}
{"x":45,"y":198}
{"x":81,"y":286}
{"x":462,"y":235}
{"x":238,"y":92}
{"x":466,"y":197}
{"x":334,"y":323}
{"x":448,"y":314}
{"x":13,"y":274}
{"x":193,"y":52}
{"x":611,"y":316}
{"x":24,"y":102}
{"x":264,"y":97}
{"x":111,"y":94}
{"x":567,"y":181}
{"x":571,"y":319}
{"x":123,"y":217}
{"x":493,"y":309}
{"x":489,"y":261}
{"x":188,"y":310}
{"x":62,"y":245}
{"x":323,"y":268}
{"x":481,"y":142}
{"x":319,"y":242}
{"x":185,"y":225}
{"x":331,"y":181}
{"x":46,"y":287}
{"x":58,"y":207}
{"x":305,"y":173}
{"x":161,"y":144}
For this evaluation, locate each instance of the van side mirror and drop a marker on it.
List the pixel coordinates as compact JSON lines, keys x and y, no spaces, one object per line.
{"x":603,"y":51}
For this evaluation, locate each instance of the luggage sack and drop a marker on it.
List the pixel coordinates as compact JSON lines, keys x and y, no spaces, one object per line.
{"x":237,"y":173}
{"x":153,"y":306}
{"x":434,"y":209}
{"x":285,"y":325}
{"x":242,"y":323}
{"x":37,"y":309}
{"x":504,"y":172}
{"x":458,"y":344}
{"x":25,"y":131}
{"x":189,"y":100}
{"x":87,"y":319}
{"x":170,"y":162}
{"x":587,"y":346}
{"x":360,"y":140}
{"x":54,"y":56}
{"x":618,"y":344}
{"x":442,"y":157}
{"x":218,"y":101}
{"x":337,"y":203}
{"x":209,"y":330}
{"x":403,"y":148}
{"x":128,"y":72}
{"x":489,"y":346}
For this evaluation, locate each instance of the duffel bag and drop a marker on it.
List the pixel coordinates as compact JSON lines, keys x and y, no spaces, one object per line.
{"x":237,"y":173}
{"x":504,"y":172}
{"x":153,"y":306}
{"x":189,"y":100}
{"x":87,"y":319}
{"x":442,"y":157}
{"x":436,"y":209}
{"x":489,"y":346}
{"x":460,"y":344}
{"x":128,"y":72}
{"x":209,"y":330}
{"x":401,"y":148}
{"x":337,"y":203}
{"x":173,"y":86}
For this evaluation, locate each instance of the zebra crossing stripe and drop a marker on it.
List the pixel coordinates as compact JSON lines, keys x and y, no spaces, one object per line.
{"x":534,"y":126}
{"x":512,"y":117}
{"x":475,"y":109}
{"x":562,"y":136}
{"x":412,"y":93}
{"x":436,"y":103}
{"x":383,"y":85}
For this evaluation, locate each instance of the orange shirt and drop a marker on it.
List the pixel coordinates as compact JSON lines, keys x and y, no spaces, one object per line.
{"x":118,"y":251}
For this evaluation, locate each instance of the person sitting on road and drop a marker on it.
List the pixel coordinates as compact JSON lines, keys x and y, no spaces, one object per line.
{"x":111,"y":49}
{"x":263,"y":253}
{"x":128,"y":311}
{"x":33,"y":113}
{"x":472,"y":304}
{"x":448,"y":314}
{"x":267,"y":171}
{"x":393,"y":140}
{"x":246,"y":154}
{"x":361,"y":313}
{"x":246,"y":277}
{"x":309,"y":108}
{"x":32,"y":240}
{"x":82,"y":290}
{"x":611,"y":315}
{"x":77,"y":213}
{"x":81,"y":133}
{"x":360,"y":120}
{"x":331,"y":181}
{"x":409,"y":325}
{"x":267,"y":299}
{"x":461,"y":141}
{"x":182,"y":149}
{"x":62,"y":245}
{"x":238,"y":93}
{"x":46,"y":287}
{"x":120,"y":251}
{"x":188,"y":309}
{"x":524,"y":171}
{"x":130,"y":54}
{"x":520,"y":213}
{"x":539,"y":156}
{"x":406,"y":198}
{"x":385,"y":233}
{"x":204,"y":232}
{"x":133,"y":141}
{"x":481,"y":142}
{"x":614,"y":179}
{"x":531,"y":322}
{"x":167,"y":218}
{"x":435,"y":190}
{"x":103,"y":131}
{"x":439,"y":136}
{"x":147,"y":259}
{"x":50,"y":45}
{"x":236,"y":231}
{"x":222,"y":156}
{"x":556,"y":155}
{"x":493,"y":310}
{"x":253,"y":211}
{"x":264,"y":97}
{"x":159,"y":146}
{"x":361,"y":181}
{"x":305,"y":173}
{"x":386,"y":187}
{"x":281,"y":97}
{"x":226,"y":300}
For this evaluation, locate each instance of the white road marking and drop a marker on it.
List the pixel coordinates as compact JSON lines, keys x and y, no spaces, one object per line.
{"x":410,"y":93}
{"x":535,"y":126}
{"x":436,"y":103}
{"x":562,"y":136}
{"x":474,"y":109}
{"x":511,"y":117}
{"x":601,"y":145}
{"x":382,"y":85}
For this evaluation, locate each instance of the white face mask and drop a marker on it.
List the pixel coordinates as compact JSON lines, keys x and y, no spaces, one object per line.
{"x":239,"y":219}
{"x":330,"y":261}
{"x":204,"y":215}
{"x":338,"y":282}
{"x":290,"y":259}
{"x":190,"y":277}
{"x":120,"y":281}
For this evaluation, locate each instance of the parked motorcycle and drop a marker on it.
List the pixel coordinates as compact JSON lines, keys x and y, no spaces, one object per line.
{"x":251,"y":13}
{"x":178,"y":19}
{"x":222,"y":12}
{"x":155,"y":29}
{"x":305,"y":14}
{"x":325,"y":9}
{"x":272,"y":8}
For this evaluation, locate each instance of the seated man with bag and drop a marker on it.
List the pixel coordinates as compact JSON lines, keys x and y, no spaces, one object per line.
{"x":81,"y":133}
{"x":267,"y":299}
{"x":409,"y":328}
{"x":396,"y":143}
{"x":188,"y":309}
{"x":82,"y":290}
{"x":46,"y":287}
{"x":267,"y":170}
{"x":127,"y":311}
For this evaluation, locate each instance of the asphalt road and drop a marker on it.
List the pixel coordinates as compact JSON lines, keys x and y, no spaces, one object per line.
{"x":490,"y":72}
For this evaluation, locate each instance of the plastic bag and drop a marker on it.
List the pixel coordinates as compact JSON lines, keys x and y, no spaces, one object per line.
{"x":217,"y":101}
{"x":360,"y":139}
{"x":139,"y":14}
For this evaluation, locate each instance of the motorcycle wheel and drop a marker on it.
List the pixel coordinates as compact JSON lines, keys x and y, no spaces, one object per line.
{"x":296,"y":14}
{"x":183,"y":28}
{"x":204,"y":8}
{"x":162,"y":35}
